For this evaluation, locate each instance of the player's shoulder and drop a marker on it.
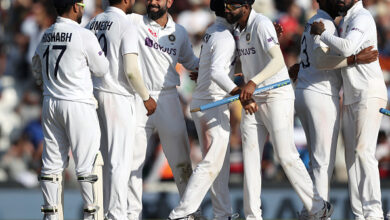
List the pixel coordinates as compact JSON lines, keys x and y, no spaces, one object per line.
{"x":260,"y":18}
{"x":363,"y":16}
{"x":135,"y":19}
{"x":179,"y":28}
{"x":220,"y":33}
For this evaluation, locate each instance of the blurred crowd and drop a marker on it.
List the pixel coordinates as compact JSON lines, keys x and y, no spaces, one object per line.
{"x":22,"y":23}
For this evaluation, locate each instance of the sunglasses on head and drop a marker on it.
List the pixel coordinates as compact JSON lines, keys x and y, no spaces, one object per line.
{"x":232,"y":6}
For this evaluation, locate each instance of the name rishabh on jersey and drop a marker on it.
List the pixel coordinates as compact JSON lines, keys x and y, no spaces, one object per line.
{"x":253,"y":44}
{"x":117,"y":37}
{"x":161,"y":48}
{"x":68,"y":54}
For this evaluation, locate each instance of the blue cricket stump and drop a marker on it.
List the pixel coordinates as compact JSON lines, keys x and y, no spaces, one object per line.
{"x":237,"y":97}
{"x":384,"y":111}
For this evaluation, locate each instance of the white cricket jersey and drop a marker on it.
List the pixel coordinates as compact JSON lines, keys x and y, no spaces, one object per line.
{"x":358,"y":31}
{"x":216,"y":62}
{"x":68,"y":54}
{"x":117,"y":37}
{"x":160,"y":49}
{"x":253,"y":45}
{"x":322,"y":81}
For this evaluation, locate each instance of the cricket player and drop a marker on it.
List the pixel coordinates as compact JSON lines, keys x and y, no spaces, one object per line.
{"x":263,"y":64}
{"x":217,"y":60}
{"x":66,"y":57}
{"x":317,"y":96}
{"x":116,"y":97}
{"x":364,"y":94}
{"x":162,"y":44}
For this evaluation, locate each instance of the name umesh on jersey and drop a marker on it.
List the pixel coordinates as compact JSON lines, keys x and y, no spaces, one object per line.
{"x":101,"y":25}
{"x":57,"y":37}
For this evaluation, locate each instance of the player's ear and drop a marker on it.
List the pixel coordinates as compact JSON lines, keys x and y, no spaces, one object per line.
{"x":75,"y":8}
{"x":169,"y":3}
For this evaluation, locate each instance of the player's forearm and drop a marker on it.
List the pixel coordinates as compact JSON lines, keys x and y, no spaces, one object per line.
{"x":345,"y":47}
{"x":324,"y":61}
{"x":131,"y":69}
{"x":273,"y":67}
{"x":219,"y":76}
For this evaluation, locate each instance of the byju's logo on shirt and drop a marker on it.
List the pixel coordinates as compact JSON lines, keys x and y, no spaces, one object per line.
{"x":150,"y":43}
{"x":247,"y":51}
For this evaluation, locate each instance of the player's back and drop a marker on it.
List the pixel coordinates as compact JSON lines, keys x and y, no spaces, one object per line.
{"x":309,"y":77}
{"x":218,"y":37}
{"x":111,"y":27}
{"x":67,"y":61}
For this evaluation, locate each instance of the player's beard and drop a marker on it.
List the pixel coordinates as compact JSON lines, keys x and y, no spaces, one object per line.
{"x":79,"y":17}
{"x":231,"y":18}
{"x":158,"y":14}
{"x":343,"y":8}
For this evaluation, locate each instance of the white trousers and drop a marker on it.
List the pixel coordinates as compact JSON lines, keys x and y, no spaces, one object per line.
{"x":213,"y":128}
{"x":117,"y":119}
{"x":361,"y":123}
{"x":320,"y":118}
{"x":74,"y":125}
{"x":276,"y":119}
{"x":168,"y":120}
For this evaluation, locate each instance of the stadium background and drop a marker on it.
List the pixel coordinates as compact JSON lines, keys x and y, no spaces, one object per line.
{"x":22,"y":23}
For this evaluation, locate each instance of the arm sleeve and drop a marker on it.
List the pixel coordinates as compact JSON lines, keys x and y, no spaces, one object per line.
{"x":97,"y":62}
{"x":324,"y":61}
{"x":221,"y":60}
{"x":273,"y":67}
{"x":130,"y":63}
{"x":130,"y":40}
{"x":267,"y":34}
{"x":354,"y":39}
{"x":187,"y":56}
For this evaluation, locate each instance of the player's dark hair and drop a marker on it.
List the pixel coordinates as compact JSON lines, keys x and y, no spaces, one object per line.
{"x":65,"y":9}
{"x":114,"y":2}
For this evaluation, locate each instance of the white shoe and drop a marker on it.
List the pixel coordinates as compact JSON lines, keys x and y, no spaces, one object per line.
{"x":325,"y":212}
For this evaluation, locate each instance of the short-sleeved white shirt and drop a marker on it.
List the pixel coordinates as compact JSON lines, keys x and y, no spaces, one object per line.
{"x":117,"y":37}
{"x":216,"y":63}
{"x":253,"y":44}
{"x":361,"y":81}
{"x":160,"y":49}
{"x":68,"y":54}
{"x":322,"y":81}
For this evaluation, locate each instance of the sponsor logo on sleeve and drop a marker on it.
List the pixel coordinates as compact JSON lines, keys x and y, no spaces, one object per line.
{"x":357,"y":29}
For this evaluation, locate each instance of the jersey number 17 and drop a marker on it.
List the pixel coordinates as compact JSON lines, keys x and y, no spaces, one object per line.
{"x":62,"y":49}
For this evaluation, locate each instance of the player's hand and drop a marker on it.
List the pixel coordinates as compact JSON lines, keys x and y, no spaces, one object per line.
{"x":293,"y":71}
{"x":250,"y":106}
{"x":367,"y":55}
{"x":194,"y":76}
{"x":247,"y":91}
{"x":317,"y":28}
{"x":150,"y":106}
{"x":279,"y":29}
{"x":235,"y":91}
